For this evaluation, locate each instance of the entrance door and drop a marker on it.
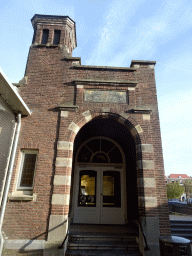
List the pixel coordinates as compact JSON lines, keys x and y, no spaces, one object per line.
{"x":99,"y":196}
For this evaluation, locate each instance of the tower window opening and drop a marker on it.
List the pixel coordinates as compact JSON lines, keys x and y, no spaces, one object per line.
{"x":57,"y":35}
{"x":45,"y":36}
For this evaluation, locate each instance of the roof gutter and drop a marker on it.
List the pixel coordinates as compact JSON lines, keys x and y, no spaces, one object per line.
{"x":11,"y":96}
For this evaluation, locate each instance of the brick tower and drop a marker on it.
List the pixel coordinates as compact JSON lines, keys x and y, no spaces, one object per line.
{"x":91,"y":150}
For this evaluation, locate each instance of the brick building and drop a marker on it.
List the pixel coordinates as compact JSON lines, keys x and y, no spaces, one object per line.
{"x":180,"y":178}
{"x":91,"y":150}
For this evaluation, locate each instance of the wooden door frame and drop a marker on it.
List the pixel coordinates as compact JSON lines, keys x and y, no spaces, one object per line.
{"x":95,"y":165}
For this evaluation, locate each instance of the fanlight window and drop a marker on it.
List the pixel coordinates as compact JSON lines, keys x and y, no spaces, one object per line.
{"x":100,"y":151}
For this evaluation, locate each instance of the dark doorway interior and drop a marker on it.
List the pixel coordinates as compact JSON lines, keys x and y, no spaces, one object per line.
{"x":110,"y":128}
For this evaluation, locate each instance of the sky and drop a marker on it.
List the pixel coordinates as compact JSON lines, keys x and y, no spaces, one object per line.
{"x":112,"y":33}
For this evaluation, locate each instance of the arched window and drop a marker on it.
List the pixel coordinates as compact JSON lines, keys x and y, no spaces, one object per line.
{"x":99,"y":150}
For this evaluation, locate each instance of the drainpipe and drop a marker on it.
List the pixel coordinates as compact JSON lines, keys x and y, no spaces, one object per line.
{"x":8,"y":180}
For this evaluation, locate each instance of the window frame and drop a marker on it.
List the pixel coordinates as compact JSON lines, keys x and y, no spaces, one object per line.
{"x":23,"y":153}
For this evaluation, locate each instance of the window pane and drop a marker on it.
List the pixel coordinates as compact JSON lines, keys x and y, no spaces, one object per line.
{"x":106,"y":145}
{"x":111,"y":189}
{"x":28,"y":170}
{"x":115,"y":156}
{"x":87,"y":189}
{"x":84,"y":155}
{"x":94,"y":145}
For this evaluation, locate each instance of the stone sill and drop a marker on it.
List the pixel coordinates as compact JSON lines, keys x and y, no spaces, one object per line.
{"x":22,"y":196}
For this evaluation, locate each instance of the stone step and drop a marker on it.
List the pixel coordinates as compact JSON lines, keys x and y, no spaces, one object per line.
{"x":73,"y":238}
{"x":81,"y":245}
{"x":102,"y":253}
{"x":102,"y":241}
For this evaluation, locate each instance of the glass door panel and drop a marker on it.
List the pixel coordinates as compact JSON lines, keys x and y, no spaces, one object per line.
{"x":111,"y":189}
{"x":87,"y":188}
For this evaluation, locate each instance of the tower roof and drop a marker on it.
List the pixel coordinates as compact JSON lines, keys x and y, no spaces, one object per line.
{"x":52,"y":17}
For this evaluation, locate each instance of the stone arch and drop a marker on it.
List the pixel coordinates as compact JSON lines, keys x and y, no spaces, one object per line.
{"x":129,"y":122}
{"x":85,"y":117}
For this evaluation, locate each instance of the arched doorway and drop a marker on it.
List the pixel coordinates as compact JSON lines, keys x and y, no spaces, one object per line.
{"x":104,"y":174}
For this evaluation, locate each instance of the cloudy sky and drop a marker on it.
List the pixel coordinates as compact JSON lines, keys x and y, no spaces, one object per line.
{"x":112,"y":33}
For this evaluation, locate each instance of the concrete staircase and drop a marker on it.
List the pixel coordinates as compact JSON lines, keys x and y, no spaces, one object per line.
{"x":182,"y":228}
{"x":103,"y":241}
